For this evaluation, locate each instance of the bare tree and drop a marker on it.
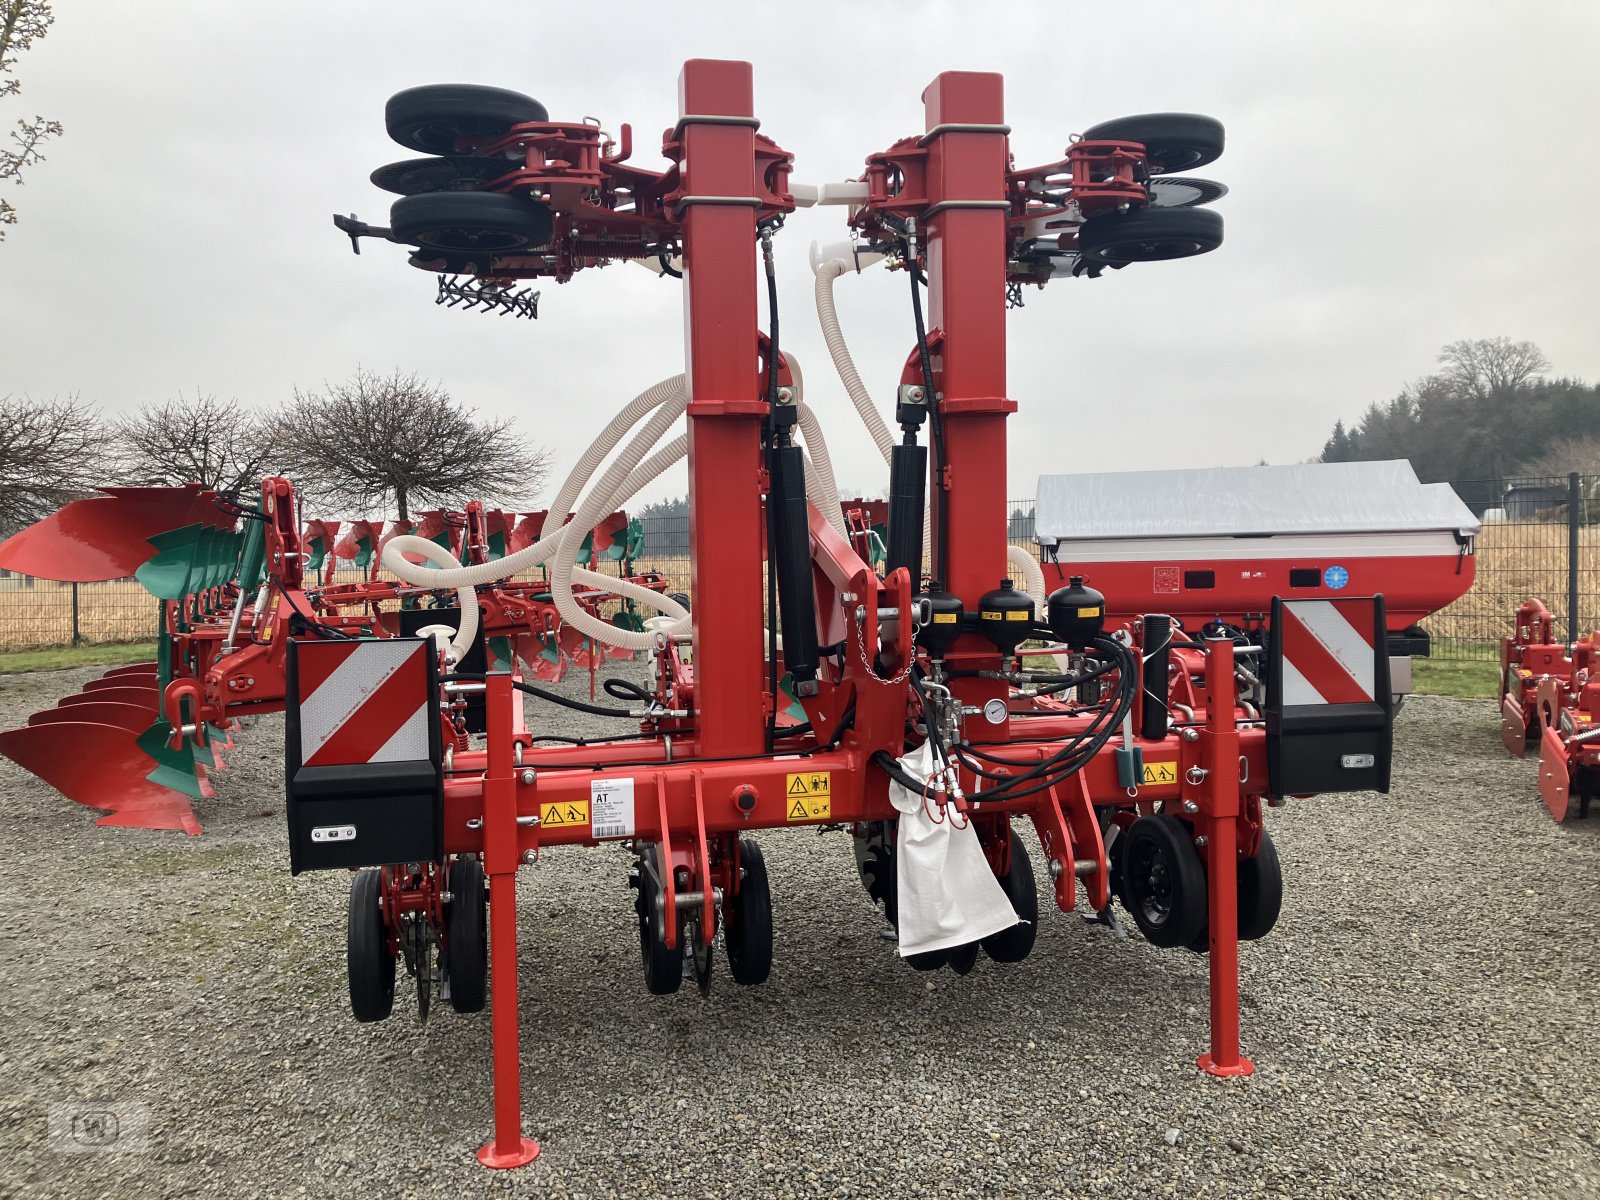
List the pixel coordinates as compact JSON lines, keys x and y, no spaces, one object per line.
{"x":50,"y":452}
{"x":375,"y":437}
{"x":1580,"y":454}
{"x":22,"y":22}
{"x":222,"y":444}
{"x":1491,"y":370}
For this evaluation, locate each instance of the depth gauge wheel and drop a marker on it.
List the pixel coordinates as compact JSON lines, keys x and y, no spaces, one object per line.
{"x":1260,"y":891}
{"x":747,"y":919}
{"x":456,"y":173}
{"x":1148,"y":235}
{"x":473,"y":221}
{"x":663,"y":967}
{"x":1016,"y":943}
{"x":467,"y":955}
{"x":1172,"y":141}
{"x":431,"y":119}
{"x":368,"y":959}
{"x":1163,"y":882}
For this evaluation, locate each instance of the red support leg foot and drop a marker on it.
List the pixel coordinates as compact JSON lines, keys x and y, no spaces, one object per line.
{"x":1238,"y":1070}
{"x":490,"y":1156}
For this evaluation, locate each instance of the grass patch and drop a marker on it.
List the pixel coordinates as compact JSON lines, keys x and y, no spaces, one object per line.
{"x":110,"y":655}
{"x":1455,"y":677}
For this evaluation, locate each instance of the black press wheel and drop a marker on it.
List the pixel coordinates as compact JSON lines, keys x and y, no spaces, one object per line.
{"x":471,"y":221}
{"x":431,"y":119}
{"x":1173,"y":141}
{"x":1016,"y":943}
{"x":367,"y":955}
{"x":663,"y":968}
{"x":682,"y":598}
{"x":747,"y":919}
{"x":466,"y":927}
{"x":1163,"y":882}
{"x":1260,"y":891}
{"x":1148,"y":234}
{"x":457,"y":173}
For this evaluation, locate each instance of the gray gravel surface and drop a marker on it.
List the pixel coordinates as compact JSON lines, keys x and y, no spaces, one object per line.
{"x":1421,"y":1020}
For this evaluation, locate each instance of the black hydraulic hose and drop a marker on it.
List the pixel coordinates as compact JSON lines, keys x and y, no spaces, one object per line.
{"x":533,"y":690}
{"x":936,"y":424}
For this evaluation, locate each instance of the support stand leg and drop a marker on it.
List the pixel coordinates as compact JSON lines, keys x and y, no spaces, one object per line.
{"x":1222,"y":864}
{"x":508,"y":1148}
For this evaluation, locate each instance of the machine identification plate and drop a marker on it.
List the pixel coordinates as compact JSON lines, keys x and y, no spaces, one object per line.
{"x":612,"y":800}
{"x":1161,"y":772}
{"x":563,"y":814}
{"x":809,"y":797}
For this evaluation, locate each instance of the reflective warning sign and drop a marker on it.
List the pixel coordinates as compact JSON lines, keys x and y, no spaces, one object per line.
{"x":809,"y":797}
{"x":1161,"y":772}
{"x":563,"y":814}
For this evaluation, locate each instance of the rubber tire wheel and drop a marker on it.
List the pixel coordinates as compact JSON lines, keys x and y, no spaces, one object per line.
{"x":455,"y":173}
{"x":663,"y":968}
{"x":466,"y":927}
{"x":1172,"y":142}
{"x":1260,"y":891}
{"x":475,"y":221}
{"x":429,"y":119}
{"x":682,"y":598}
{"x":963,"y":957}
{"x":1162,"y":841}
{"x":368,"y":961}
{"x":1148,"y":234}
{"x":747,"y":919}
{"x":1016,"y":943}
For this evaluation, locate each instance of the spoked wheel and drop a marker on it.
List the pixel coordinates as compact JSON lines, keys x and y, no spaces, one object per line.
{"x":1147,"y":234}
{"x":369,"y":961}
{"x":663,"y":967}
{"x":467,"y":953}
{"x":432,"y":119}
{"x":454,"y":173}
{"x":1016,"y":943}
{"x":1172,"y":141}
{"x":470,"y":222}
{"x":747,"y":919}
{"x":1163,"y":883}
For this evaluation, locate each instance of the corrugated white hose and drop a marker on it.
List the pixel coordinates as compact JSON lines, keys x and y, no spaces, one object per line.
{"x":450,"y":573}
{"x":827,"y":270}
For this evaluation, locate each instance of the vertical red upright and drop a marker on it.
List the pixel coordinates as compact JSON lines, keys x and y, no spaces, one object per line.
{"x":1221,"y":814}
{"x":717,"y":127}
{"x":965,"y":234}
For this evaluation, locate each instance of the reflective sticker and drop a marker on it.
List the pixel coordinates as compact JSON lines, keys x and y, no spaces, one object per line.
{"x":1336,"y":577}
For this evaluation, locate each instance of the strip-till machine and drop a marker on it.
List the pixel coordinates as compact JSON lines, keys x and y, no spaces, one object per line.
{"x":1142,"y":761}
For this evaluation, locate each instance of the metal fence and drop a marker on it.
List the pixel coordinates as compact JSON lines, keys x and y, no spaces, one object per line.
{"x":1541,"y":538}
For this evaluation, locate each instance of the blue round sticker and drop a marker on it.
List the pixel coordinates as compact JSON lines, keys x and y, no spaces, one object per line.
{"x":1336,"y":577}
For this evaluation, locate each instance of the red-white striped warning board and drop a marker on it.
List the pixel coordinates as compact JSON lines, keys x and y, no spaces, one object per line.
{"x":363,"y":701}
{"x":1328,"y":652}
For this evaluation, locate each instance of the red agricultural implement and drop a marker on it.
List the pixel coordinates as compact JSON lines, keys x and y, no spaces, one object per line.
{"x":1212,"y":546}
{"x":1550,"y":698}
{"x":232,"y":599}
{"x":1143,"y":763}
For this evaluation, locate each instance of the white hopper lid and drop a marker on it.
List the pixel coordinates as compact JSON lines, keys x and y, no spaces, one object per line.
{"x":1353,"y":497}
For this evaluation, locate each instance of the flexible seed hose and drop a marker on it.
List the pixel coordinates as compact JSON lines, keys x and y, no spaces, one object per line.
{"x":827,"y":271}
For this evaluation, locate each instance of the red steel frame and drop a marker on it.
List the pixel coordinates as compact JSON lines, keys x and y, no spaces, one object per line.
{"x":714,"y":783}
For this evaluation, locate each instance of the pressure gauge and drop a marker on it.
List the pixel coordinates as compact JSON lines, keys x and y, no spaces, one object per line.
{"x":994,"y":711}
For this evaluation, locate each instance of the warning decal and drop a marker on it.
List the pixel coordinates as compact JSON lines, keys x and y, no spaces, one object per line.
{"x":809,"y":797}
{"x":1161,"y":772}
{"x":564,"y":813}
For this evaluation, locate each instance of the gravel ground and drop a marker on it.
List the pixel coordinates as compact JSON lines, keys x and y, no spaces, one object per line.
{"x":1420,"y":1020}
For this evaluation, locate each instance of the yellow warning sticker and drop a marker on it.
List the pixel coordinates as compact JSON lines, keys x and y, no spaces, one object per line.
{"x":1161,"y":772}
{"x":809,"y":797}
{"x":564,"y":813}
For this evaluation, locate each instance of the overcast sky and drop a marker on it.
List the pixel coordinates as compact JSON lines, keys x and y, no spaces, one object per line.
{"x":1402,"y":175}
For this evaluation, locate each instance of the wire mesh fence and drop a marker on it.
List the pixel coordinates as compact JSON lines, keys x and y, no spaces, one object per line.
{"x":1541,"y":539}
